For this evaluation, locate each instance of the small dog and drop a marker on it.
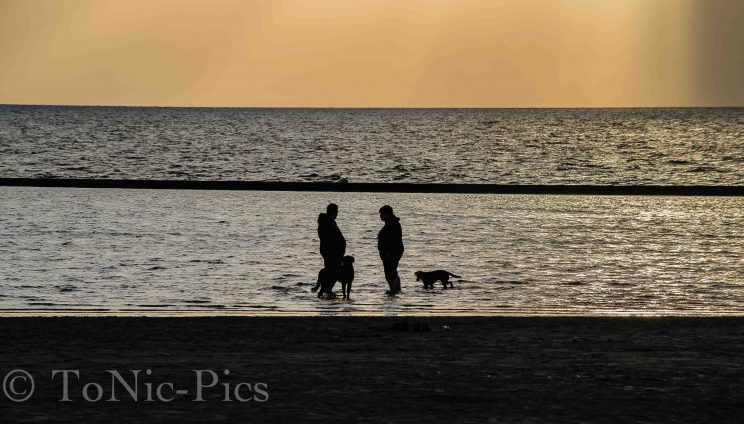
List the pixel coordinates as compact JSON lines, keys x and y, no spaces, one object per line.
{"x":346,"y":277}
{"x":429,"y":278}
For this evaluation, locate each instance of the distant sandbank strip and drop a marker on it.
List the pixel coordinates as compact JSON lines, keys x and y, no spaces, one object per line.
{"x":558,"y":189}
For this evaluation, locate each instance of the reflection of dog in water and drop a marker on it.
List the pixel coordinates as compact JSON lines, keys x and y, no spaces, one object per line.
{"x":429,"y":278}
{"x":345,"y":276}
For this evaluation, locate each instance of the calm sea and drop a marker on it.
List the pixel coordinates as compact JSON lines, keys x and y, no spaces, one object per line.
{"x":146,"y":251}
{"x":540,"y":146}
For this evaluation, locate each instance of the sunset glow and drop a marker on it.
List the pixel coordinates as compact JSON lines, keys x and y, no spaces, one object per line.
{"x":373,"y":53}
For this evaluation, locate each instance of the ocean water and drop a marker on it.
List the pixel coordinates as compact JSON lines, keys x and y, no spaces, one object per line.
{"x":147,"y":251}
{"x":142,"y":251}
{"x":528,"y":146}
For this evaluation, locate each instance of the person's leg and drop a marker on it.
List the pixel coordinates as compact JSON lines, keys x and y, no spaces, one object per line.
{"x":390,"y":272}
{"x":335,"y":274}
{"x":394,"y":271}
{"x":384,"y":267}
{"x":328,"y":271}
{"x":333,"y":268}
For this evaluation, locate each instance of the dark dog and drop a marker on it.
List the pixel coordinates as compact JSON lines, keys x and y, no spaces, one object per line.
{"x":429,"y":278}
{"x":346,"y":277}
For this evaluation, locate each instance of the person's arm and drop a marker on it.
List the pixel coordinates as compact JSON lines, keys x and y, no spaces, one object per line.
{"x":398,"y":233}
{"x":387,"y":240}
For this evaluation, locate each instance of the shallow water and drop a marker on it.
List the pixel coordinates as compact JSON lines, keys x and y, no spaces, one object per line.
{"x":160,"y":251}
{"x":509,"y":146}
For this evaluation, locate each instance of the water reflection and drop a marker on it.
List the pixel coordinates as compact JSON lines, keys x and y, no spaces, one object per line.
{"x":257,"y":252}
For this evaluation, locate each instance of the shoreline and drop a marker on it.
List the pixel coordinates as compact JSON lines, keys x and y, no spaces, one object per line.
{"x":371,"y":369}
{"x":217,"y":313}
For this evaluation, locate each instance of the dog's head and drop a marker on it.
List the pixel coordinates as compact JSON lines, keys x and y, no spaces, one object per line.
{"x":347,"y":260}
{"x":418,"y":275}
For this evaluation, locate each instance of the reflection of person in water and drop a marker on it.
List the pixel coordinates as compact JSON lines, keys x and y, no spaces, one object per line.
{"x":332,"y":247}
{"x":390,"y":245}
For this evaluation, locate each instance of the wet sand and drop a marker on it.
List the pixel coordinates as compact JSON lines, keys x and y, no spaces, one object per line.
{"x":373,"y":369}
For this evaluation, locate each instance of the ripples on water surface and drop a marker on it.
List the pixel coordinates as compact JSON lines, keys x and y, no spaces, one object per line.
{"x":256,"y":252}
{"x":540,"y":146}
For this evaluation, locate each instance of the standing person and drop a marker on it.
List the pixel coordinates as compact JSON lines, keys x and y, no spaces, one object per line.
{"x":332,"y":247}
{"x":390,"y":246}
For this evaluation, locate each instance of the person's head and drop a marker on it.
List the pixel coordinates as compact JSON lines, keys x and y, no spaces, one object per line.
{"x":386,"y":212}
{"x":332,"y":210}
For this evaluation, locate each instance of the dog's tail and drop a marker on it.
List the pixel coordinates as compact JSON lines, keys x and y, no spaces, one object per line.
{"x":453,"y":275}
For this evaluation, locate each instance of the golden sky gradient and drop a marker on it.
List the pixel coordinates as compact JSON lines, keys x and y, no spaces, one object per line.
{"x":373,"y":53}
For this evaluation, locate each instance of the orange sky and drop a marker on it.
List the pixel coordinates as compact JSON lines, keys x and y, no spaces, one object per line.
{"x":373,"y":53}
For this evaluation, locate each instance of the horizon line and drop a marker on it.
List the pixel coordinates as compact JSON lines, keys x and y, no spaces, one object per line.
{"x":363,"y":107}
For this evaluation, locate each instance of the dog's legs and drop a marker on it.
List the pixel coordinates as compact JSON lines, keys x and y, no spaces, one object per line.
{"x":325,"y":288}
{"x":321,"y":276}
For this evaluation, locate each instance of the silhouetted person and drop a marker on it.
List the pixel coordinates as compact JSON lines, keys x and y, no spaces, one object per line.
{"x":390,"y":246}
{"x":332,"y":247}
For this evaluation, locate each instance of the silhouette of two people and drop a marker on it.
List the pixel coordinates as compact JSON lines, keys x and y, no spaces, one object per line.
{"x":333,"y":248}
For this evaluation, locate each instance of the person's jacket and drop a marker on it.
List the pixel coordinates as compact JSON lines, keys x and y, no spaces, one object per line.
{"x":332,"y":241}
{"x":390,"y":237}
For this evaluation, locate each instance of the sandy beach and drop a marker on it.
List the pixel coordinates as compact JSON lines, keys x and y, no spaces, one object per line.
{"x":374,"y":369}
